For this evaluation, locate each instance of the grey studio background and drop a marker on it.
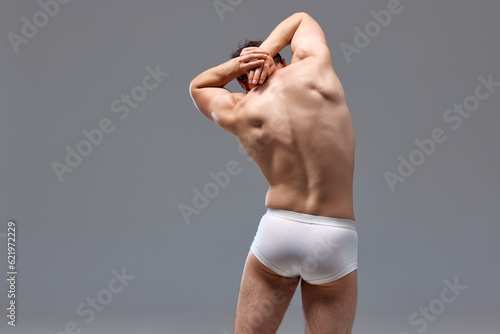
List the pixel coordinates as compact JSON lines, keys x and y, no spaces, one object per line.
{"x":117,"y":213}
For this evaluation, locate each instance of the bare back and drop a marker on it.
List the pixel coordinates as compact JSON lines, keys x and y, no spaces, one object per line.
{"x":298,"y":129}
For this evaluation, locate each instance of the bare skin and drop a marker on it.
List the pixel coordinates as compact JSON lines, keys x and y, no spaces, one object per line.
{"x":295,"y":124}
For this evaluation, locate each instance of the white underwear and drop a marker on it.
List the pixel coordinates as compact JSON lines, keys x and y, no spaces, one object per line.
{"x":316,"y":248}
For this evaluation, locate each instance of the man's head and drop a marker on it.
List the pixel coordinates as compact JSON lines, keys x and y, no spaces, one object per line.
{"x":243,"y":80}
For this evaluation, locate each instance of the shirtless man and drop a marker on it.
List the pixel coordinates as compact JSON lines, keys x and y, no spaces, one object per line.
{"x":294,"y":123}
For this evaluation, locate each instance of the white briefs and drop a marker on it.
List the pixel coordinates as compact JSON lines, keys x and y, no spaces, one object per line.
{"x":318,"y":249}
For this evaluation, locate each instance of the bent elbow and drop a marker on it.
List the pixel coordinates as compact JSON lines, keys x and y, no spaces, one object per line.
{"x":191,"y":87}
{"x":302,"y":14}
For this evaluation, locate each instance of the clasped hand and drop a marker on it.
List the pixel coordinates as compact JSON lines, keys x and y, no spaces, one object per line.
{"x":256,"y":64}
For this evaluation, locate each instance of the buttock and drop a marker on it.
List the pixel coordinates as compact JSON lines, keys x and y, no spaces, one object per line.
{"x":318,"y":249}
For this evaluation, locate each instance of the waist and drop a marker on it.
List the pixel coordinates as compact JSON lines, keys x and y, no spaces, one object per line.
{"x":312,"y":219}
{"x":336,"y":204}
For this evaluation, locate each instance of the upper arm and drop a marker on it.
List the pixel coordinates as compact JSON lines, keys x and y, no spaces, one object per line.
{"x":217,"y":104}
{"x":309,"y":40}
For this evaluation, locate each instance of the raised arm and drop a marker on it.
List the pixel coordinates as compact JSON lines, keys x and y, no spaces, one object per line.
{"x":210,"y":96}
{"x":303,"y":34}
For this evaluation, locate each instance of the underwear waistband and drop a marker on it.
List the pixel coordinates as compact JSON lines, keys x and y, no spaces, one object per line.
{"x":312,"y":219}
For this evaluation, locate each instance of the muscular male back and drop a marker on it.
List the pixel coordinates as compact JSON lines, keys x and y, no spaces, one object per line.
{"x":298,"y":129}
{"x":295,"y":125}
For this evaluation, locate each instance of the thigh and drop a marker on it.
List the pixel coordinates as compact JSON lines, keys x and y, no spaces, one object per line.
{"x":330,"y":308}
{"x":263,"y":298}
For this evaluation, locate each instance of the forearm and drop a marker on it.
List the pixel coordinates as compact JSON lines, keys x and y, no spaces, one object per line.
{"x":282,"y":35}
{"x":219,"y":76}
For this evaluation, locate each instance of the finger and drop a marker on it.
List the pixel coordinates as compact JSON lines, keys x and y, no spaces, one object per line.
{"x":253,"y":49}
{"x":248,"y":66}
{"x":267,"y":69}
{"x":252,"y":56}
{"x":250,"y":76}
{"x":258,"y":51}
{"x":257,"y":75}
{"x":247,"y":63}
{"x":253,"y":63}
{"x":248,"y":48}
{"x":245,"y":51}
{"x":265,"y":72}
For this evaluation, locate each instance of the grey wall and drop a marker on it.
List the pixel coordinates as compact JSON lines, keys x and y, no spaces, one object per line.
{"x":118,"y":209}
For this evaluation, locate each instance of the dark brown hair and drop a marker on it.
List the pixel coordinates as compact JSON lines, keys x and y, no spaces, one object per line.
{"x":247,"y":44}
